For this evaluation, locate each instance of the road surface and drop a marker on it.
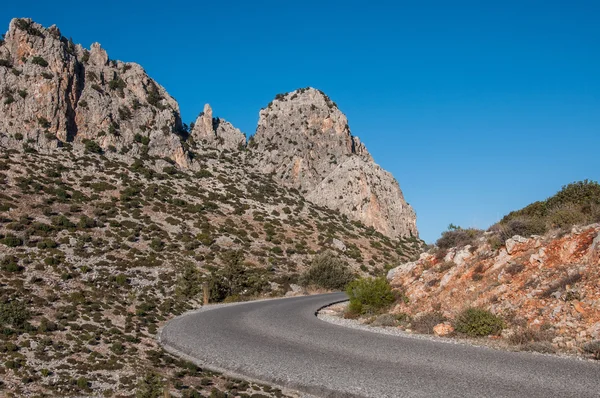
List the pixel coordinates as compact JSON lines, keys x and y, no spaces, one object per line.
{"x":282,"y":342}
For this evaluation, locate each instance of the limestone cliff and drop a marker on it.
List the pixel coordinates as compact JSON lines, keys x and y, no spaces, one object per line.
{"x":54,"y":91}
{"x":304,"y":140}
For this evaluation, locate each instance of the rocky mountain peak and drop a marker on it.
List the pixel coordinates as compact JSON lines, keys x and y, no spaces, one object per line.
{"x":54,"y":92}
{"x":216,"y":132}
{"x":321,"y":122}
{"x":304,"y":140}
{"x":98,"y":56}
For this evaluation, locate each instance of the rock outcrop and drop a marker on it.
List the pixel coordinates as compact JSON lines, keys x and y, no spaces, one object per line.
{"x":304,"y":140}
{"x":54,"y":91}
{"x":216,"y":132}
{"x":540,"y":282}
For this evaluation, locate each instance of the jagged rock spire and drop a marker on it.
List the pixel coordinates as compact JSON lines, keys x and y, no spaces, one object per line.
{"x":215,"y":132}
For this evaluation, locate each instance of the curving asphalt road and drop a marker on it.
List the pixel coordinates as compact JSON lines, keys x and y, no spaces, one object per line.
{"x":283,"y":342}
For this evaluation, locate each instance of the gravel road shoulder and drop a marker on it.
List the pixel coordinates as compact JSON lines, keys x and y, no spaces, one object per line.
{"x":335,"y":314}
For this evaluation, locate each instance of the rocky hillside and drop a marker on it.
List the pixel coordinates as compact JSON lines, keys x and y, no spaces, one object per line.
{"x":55,"y":92}
{"x":545,"y":287}
{"x":112,"y":215}
{"x":304,"y":141}
{"x":98,"y":252}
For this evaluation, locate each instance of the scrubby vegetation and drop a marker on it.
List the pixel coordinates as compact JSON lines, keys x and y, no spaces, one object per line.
{"x":237,"y":279}
{"x":327,"y":271}
{"x":577,"y":203}
{"x":98,"y":251}
{"x":369,"y":295}
{"x":593,"y":347}
{"x":476,"y":322}
{"x":531,"y":338}
{"x":537,"y":293}
{"x":457,"y":237}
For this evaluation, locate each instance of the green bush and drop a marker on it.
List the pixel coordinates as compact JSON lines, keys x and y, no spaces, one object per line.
{"x":189,"y":283}
{"x":576,"y":193}
{"x":523,"y":226}
{"x":82,"y":383}
{"x":86,"y":222}
{"x":327,"y":271}
{"x":154,"y":98}
{"x":369,"y":295}
{"x":566,"y":216}
{"x":43,"y":122}
{"x":124,"y":113}
{"x":157,"y":245}
{"x":47,"y":243}
{"x":13,"y":313}
{"x":117,"y":84}
{"x":478,"y":322}
{"x":12,"y":240}
{"x":62,"y":222}
{"x":236,"y":278}
{"x":37,"y":60}
{"x":121,"y":279}
{"x":10,"y":264}
{"x":92,"y":147}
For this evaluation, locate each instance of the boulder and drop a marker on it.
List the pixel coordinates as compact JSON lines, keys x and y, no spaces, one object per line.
{"x":443,"y":329}
{"x":518,"y":244}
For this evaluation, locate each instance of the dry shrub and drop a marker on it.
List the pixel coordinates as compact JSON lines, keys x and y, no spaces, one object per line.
{"x":514,"y":268}
{"x":425,"y":323}
{"x":526,"y":335}
{"x":593,"y":347}
{"x":459,"y":237}
{"x":568,"y":280}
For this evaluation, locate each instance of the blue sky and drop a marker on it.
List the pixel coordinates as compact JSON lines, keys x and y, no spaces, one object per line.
{"x":477,"y":108}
